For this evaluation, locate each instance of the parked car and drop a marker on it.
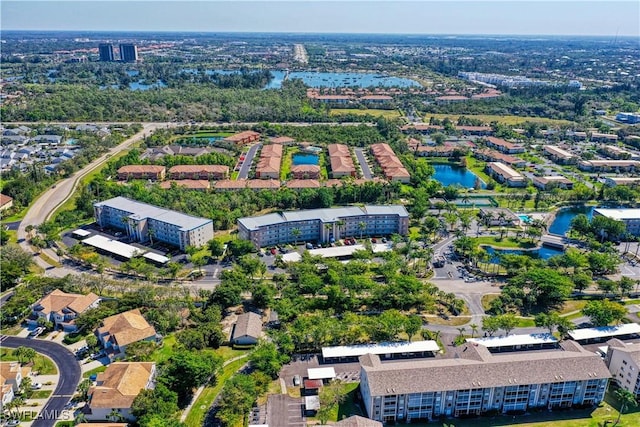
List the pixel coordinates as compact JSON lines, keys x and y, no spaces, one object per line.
{"x":12,"y":423}
{"x":36,"y":386}
{"x":374,"y":240}
{"x":36,"y":332}
{"x":296,"y":380}
{"x":309,"y":245}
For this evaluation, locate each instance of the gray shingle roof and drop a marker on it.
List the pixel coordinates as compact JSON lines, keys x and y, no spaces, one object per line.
{"x":248,"y":324}
{"x":475,"y":367}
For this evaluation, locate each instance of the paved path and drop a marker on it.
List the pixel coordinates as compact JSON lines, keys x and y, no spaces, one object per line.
{"x":366,"y":171}
{"x":200,"y":389}
{"x":69,"y":376}
{"x":248,"y":160}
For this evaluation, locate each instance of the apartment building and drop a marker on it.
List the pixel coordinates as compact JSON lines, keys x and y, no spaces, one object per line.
{"x":506,"y":175}
{"x":199,"y":172}
{"x":243,"y":138}
{"x":391,"y":166}
{"x":555,"y":181}
{"x":324,"y":225}
{"x":341,"y":161}
{"x":558,"y":155}
{"x":477,"y":381}
{"x":152,"y":172}
{"x":618,"y":153}
{"x":143,"y":222}
{"x":441,"y":151}
{"x":475,"y":130}
{"x":270,"y":160}
{"x":489,"y":155}
{"x":608,"y":165}
{"x":305,"y":171}
{"x":630,"y":217}
{"x":612,"y":181}
{"x":623,"y":360}
{"x":603,"y":137}
{"x":189,"y":184}
{"x":504,"y":146}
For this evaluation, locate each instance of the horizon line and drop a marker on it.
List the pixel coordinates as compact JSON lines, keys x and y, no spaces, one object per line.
{"x":315,"y":33}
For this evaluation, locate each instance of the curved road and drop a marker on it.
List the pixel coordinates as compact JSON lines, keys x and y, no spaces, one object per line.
{"x":68,"y":368}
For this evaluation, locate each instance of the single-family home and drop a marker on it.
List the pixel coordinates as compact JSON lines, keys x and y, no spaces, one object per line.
{"x":62,"y":308}
{"x":247,"y":329}
{"x":120,"y":330}
{"x":11,"y":375}
{"x":6,"y":202}
{"x":117,"y":387}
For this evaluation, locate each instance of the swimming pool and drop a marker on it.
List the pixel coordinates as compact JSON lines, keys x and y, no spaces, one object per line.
{"x":525,"y":218}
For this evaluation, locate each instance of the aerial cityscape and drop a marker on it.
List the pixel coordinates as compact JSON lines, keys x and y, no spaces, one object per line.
{"x":289,"y":214}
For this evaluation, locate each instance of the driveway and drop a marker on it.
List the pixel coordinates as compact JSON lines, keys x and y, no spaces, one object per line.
{"x":248,"y":160}
{"x":69,"y":371}
{"x":366,"y":171}
{"x":285,"y":411}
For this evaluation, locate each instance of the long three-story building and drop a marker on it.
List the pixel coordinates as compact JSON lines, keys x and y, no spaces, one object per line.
{"x":323,"y":225}
{"x":144,"y":223}
{"x":476,"y":382}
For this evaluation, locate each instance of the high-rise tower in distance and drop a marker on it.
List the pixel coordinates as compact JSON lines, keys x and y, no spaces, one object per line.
{"x":128,"y":52}
{"x":106,"y":52}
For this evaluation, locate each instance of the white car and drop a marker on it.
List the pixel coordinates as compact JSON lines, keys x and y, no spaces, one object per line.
{"x":36,"y":386}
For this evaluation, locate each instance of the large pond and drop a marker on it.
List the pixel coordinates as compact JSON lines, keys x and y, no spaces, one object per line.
{"x":562,"y":222}
{"x":305,"y":159}
{"x":452,"y":175}
{"x":543,"y":253}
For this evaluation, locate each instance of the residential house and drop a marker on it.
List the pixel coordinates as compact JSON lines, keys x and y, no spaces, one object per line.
{"x":117,"y":387}
{"x":243,"y":138}
{"x":377,"y":100}
{"x":6,"y":202}
{"x":247,"y":329}
{"x":62,"y":308}
{"x":612,"y":181}
{"x":391,"y":166}
{"x":603,"y":137}
{"x":494,"y":156}
{"x":559,"y":155}
{"x":475,"y":130}
{"x":269,"y":164}
{"x":263,"y":184}
{"x":476,"y":382}
{"x":282,"y":140}
{"x":341,"y":161}
{"x":333,"y":99}
{"x":14,"y":139}
{"x":199,"y":172}
{"x":156,"y":153}
{"x":505,"y":174}
{"x":623,"y":360}
{"x":20,"y":130}
{"x":504,"y":146}
{"x":618,"y":153}
{"x":11,"y":375}
{"x":548,"y":182}
{"x":152,"y":172}
{"x":437,"y":151}
{"x":230,"y":184}
{"x":48,"y":139}
{"x":576,"y":136}
{"x":300,"y":184}
{"x":120,"y":330}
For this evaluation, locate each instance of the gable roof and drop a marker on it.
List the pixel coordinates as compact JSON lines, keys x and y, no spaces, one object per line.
{"x":120,"y":383}
{"x":357,"y":421}
{"x":126,"y":328}
{"x":248,"y":324}
{"x":57,"y":301}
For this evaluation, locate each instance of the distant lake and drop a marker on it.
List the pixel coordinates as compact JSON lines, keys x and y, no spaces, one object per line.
{"x":452,"y":175}
{"x":139,"y":85}
{"x":317,"y":80}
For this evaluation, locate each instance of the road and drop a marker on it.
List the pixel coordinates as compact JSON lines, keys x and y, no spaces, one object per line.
{"x":366,"y":172}
{"x":68,"y":368}
{"x":44,"y":206}
{"x":248,"y":160}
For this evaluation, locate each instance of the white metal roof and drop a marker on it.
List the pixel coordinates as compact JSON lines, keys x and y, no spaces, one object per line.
{"x":336,"y":251}
{"x":82,"y":233}
{"x":381,"y":348}
{"x":605,"y":331}
{"x":321,"y":373}
{"x":113,"y":246}
{"x":156,"y":257}
{"x":139,"y":211}
{"x":514,"y":340}
{"x":619,"y":214}
{"x":312,"y":403}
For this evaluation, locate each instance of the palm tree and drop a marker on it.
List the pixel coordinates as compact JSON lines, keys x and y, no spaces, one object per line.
{"x":340,"y":224}
{"x":626,"y":399}
{"x":461,"y":330}
{"x":474,"y":329}
{"x":362,"y":226}
{"x":296,"y":233}
{"x":115,"y":415}
{"x":328,"y":228}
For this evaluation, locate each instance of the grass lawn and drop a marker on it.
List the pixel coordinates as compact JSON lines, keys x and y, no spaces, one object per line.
{"x":506,"y":242}
{"x":229,"y":353}
{"x":477,"y":167}
{"x":387,"y":114}
{"x":526,"y":322}
{"x":287,"y":162}
{"x":163,"y":353}
{"x":451,"y":321}
{"x":346,"y":408}
{"x":488,"y":118}
{"x":94,"y":371}
{"x":41,"y":364}
{"x":202,"y":405}
{"x":572,"y":305}
{"x":486,"y":300}
{"x":41,"y":394}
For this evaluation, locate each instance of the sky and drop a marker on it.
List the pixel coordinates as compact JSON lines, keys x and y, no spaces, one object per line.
{"x":513,"y":17}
